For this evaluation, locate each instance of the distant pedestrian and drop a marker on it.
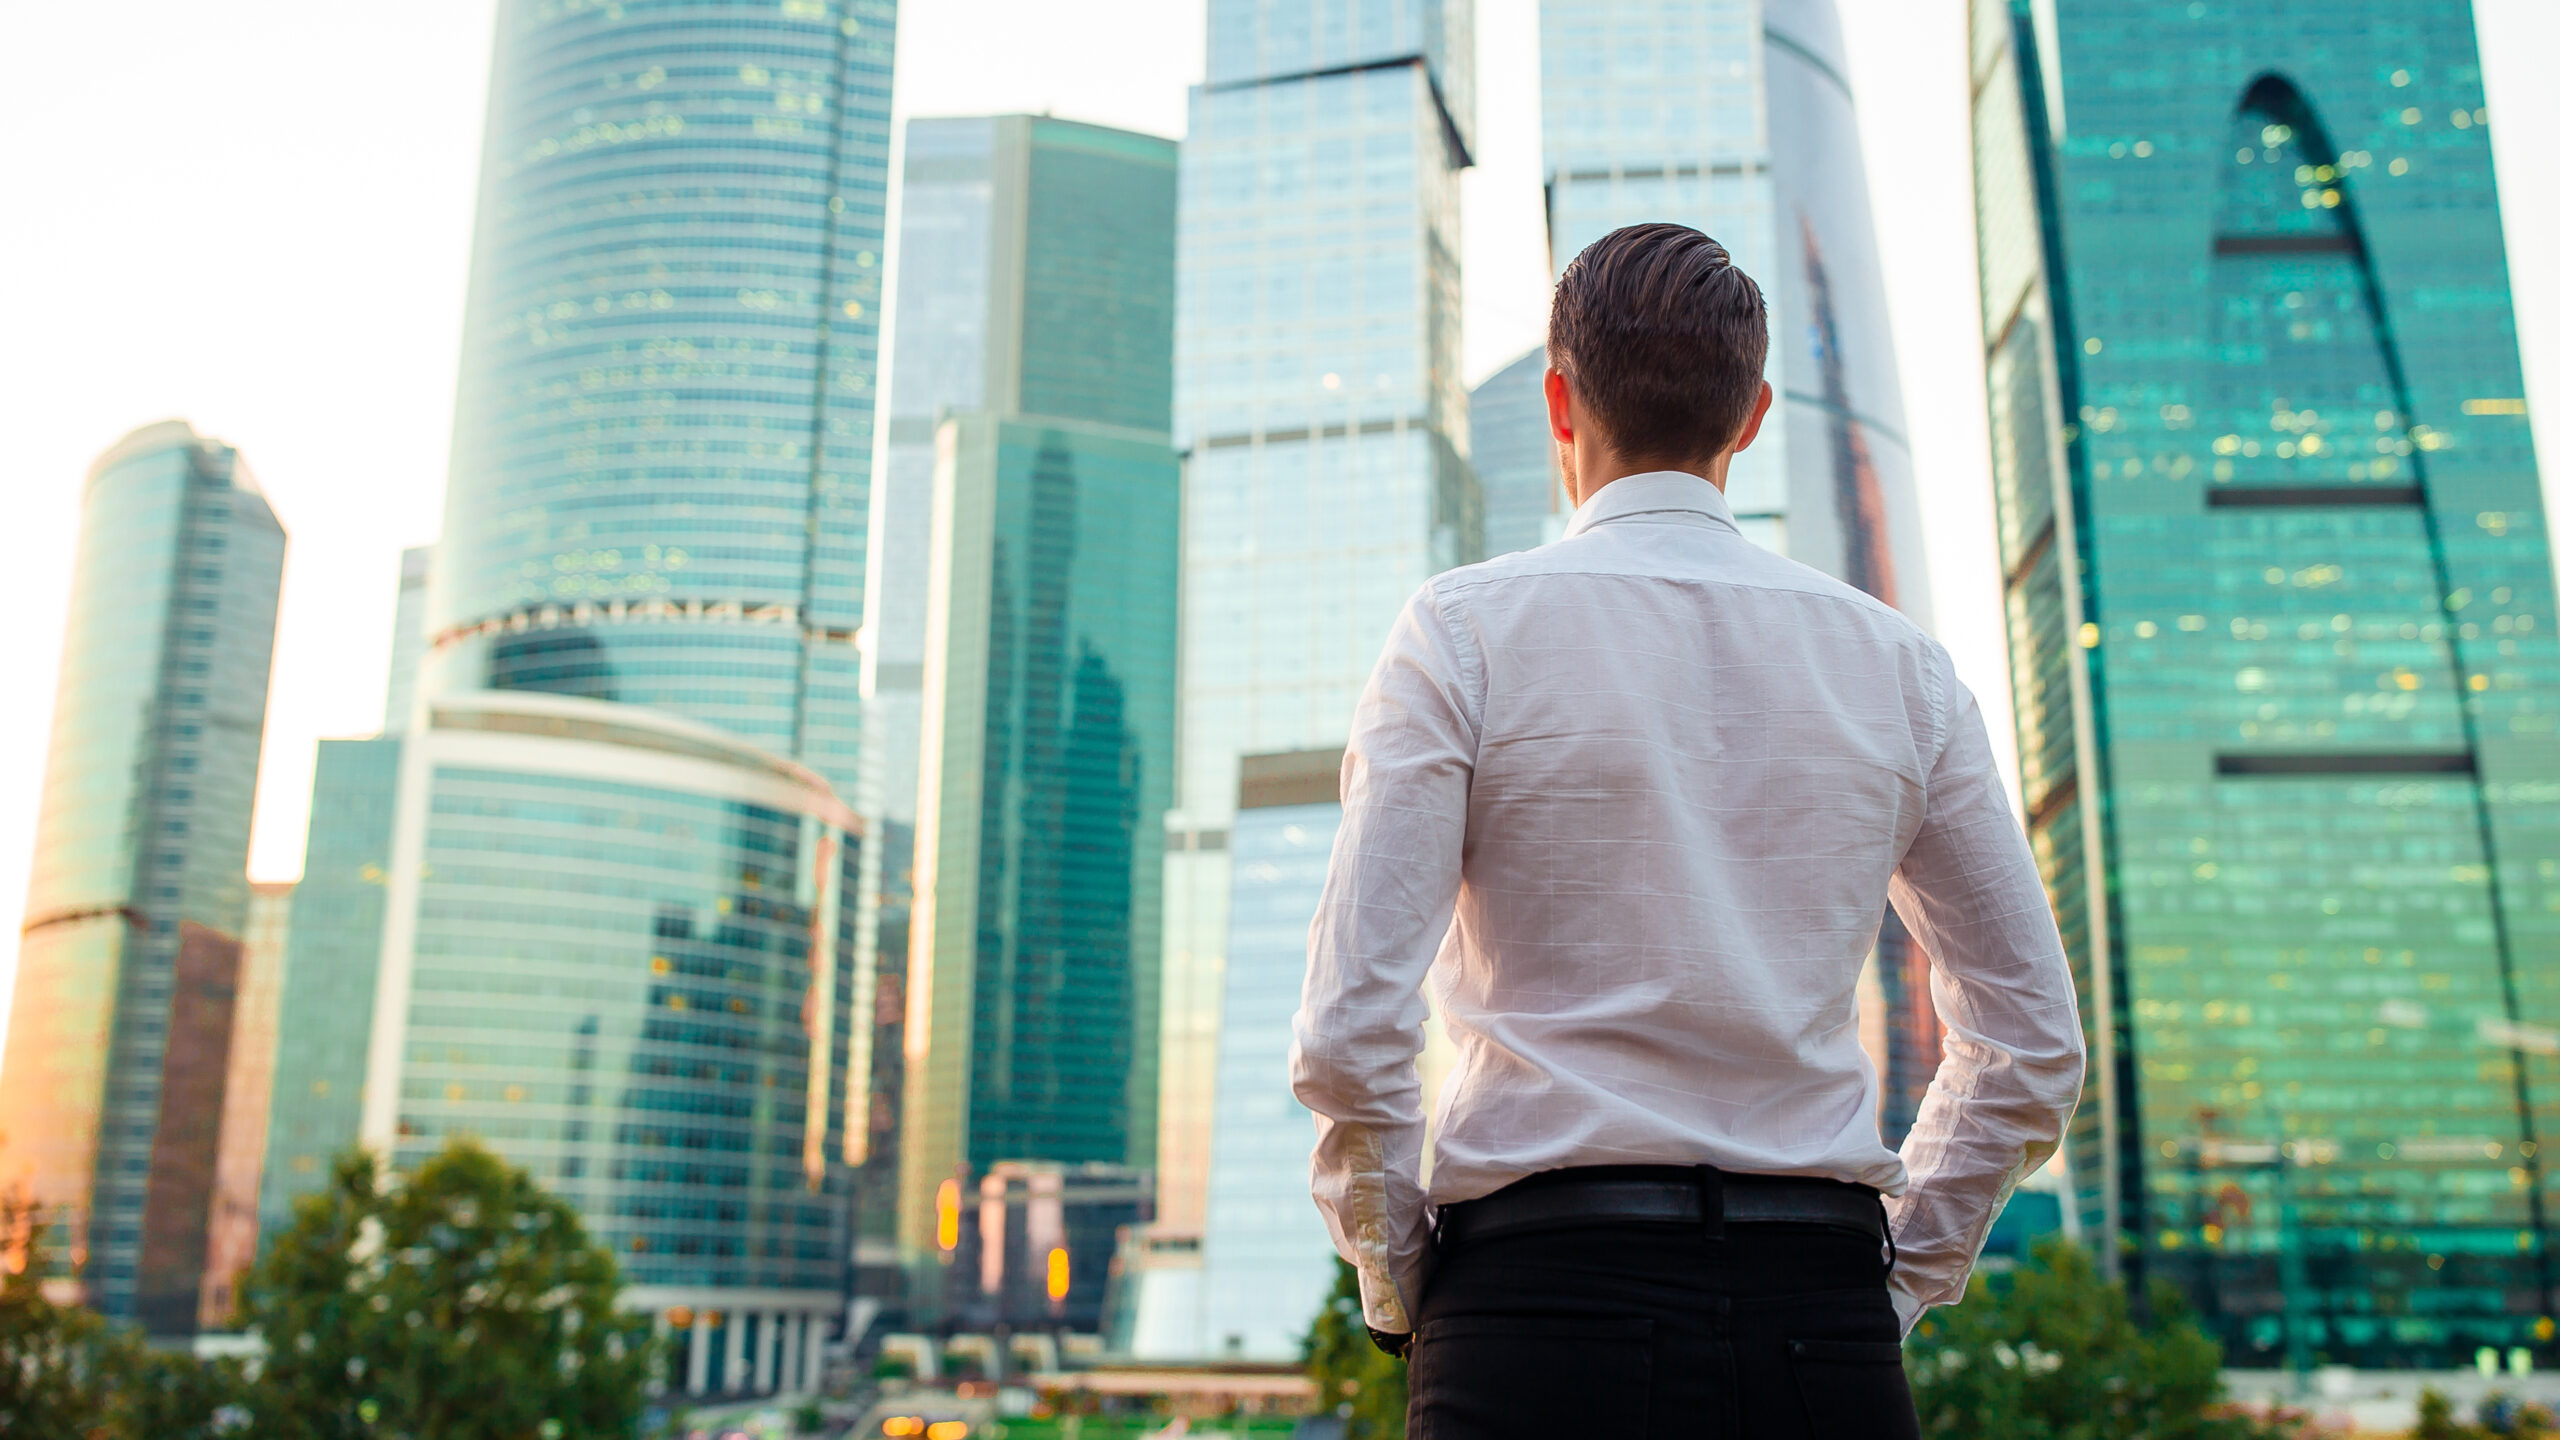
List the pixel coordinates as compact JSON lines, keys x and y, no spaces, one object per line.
{"x":1635,"y":802}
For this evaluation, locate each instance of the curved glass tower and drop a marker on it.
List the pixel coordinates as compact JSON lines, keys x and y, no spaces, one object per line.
{"x":2281,"y":617}
{"x":120,"y":1036}
{"x":662,"y":441}
{"x":1735,"y":116}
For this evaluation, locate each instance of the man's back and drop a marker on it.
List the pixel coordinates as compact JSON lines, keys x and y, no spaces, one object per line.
{"x":1635,"y":802}
{"x":1697,"y":766}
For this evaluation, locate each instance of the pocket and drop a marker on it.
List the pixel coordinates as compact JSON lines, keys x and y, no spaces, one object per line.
{"x":1853,"y":1389}
{"x":1489,"y":1377}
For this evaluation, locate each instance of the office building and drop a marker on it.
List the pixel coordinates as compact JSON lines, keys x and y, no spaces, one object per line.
{"x":662,"y":437}
{"x":231,"y":1245}
{"x":1515,"y":457}
{"x":1037,"y":1253}
{"x":111,"y":1101}
{"x":1320,"y":400}
{"x":333,"y":951}
{"x":615,"y":949}
{"x":2279,"y":590}
{"x":1027,"y":593}
{"x":408,"y":640}
{"x":1266,"y":1263}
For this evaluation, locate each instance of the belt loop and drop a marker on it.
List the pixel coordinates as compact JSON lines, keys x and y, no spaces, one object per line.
{"x":1710,"y":1203}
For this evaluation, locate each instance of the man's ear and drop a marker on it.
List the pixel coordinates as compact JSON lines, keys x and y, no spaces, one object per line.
{"x":1559,"y":408}
{"x":1759,"y":413}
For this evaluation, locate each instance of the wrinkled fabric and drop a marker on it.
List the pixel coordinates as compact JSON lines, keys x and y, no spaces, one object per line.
{"x":1634,"y":801}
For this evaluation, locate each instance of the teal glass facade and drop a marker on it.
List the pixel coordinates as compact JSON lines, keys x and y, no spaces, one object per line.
{"x":1022,"y":688}
{"x":2279,"y":594}
{"x":333,"y":950}
{"x":1515,"y":457}
{"x":1321,"y":404}
{"x":662,"y":440}
{"x":608,"y":986}
{"x":120,"y":1031}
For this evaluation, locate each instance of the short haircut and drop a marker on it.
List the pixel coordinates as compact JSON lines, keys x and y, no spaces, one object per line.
{"x":1663,"y":338}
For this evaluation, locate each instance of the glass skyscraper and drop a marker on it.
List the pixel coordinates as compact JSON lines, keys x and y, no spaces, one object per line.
{"x":1515,"y":457}
{"x":1266,"y":1263}
{"x":1023,"y":655}
{"x":2279,"y":596}
{"x":662,"y":438}
{"x":333,"y":950}
{"x":111,"y":1103}
{"x":1320,"y":401}
{"x":613,"y":945}
{"x":1735,"y":116}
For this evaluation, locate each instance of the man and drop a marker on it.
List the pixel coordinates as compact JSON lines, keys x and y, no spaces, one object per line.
{"x":1642,"y":793}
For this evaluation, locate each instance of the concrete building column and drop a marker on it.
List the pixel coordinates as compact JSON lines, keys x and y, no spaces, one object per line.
{"x":813,"y":1340}
{"x":697,"y":1355}
{"x":767,"y":1324}
{"x":733,"y":1359}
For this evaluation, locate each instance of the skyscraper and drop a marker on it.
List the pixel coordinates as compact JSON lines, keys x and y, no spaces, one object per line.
{"x":120,"y":1033}
{"x":1515,"y":457}
{"x":231,"y":1245}
{"x":408,"y":640}
{"x":2279,"y":592}
{"x":1320,"y":400}
{"x":1735,"y":116}
{"x":656,"y":525}
{"x":1024,"y":651}
{"x":662,"y":438}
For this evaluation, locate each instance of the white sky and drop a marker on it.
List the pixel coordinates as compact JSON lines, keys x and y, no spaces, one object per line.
{"x":257,"y":215}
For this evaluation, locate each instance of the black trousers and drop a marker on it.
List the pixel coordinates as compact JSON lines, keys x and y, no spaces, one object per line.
{"x":1773,"y":1332}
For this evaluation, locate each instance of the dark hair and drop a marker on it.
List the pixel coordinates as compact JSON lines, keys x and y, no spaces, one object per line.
{"x":1663,"y":338}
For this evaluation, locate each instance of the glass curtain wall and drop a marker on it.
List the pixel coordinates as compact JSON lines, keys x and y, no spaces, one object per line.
{"x":1322,"y":406}
{"x":2280,"y":600}
{"x":662,"y":440}
{"x":120,"y":1031}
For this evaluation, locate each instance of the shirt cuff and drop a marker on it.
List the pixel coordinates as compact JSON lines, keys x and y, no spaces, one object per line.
{"x":1382,"y":1304}
{"x":1908,"y":1308}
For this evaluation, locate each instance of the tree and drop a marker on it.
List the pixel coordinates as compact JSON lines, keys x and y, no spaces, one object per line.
{"x":462,"y":1303}
{"x":2056,"y":1354}
{"x":67,"y":1371}
{"x":1354,"y":1378}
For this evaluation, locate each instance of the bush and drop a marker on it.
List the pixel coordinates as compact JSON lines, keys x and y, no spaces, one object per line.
{"x":2056,"y":1352}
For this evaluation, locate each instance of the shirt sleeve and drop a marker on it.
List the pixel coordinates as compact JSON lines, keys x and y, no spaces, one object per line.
{"x":1387,"y":901}
{"x":2014,"y":1053}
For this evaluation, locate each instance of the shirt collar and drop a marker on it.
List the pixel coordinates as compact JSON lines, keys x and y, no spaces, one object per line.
{"x":1652,"y":493}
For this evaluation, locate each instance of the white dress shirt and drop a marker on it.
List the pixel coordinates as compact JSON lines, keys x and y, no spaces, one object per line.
{"x":1634,"y":801}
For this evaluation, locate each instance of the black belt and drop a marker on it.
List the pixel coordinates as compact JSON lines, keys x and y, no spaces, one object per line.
{"x":1663,"y":1195}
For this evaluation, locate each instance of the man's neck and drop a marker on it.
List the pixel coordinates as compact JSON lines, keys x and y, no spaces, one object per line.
{"x":1610,"y":467}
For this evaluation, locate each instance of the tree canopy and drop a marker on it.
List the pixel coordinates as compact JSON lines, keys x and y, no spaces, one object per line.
{"x":460,"y":1302}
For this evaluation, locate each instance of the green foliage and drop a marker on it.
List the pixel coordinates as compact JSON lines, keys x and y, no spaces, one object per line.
{"x":64,"y":1371}
{"x":809,"y":1419}
{"x":2502,"y":1417}
{"x":465,"y":1303}
{"x":1353,"y":1376}
{"x":2056,"y":1354}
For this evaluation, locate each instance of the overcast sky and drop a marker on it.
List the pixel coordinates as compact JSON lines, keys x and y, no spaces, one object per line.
{"x":256,"y":215}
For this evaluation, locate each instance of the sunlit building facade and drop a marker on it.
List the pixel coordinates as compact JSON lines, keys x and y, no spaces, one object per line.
{"x":111,"y":1102}
{"x":2279,"y":592}
{"x":1736,"y":117}
{"x":231,"y":1243}
{"x":1321,"y":405}
{"x":1027,"y":601}
{"x":1266,"y":1264}
{"x":333,"y":952}
{"x":616,"y":951}
{"x":663,"y":433}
